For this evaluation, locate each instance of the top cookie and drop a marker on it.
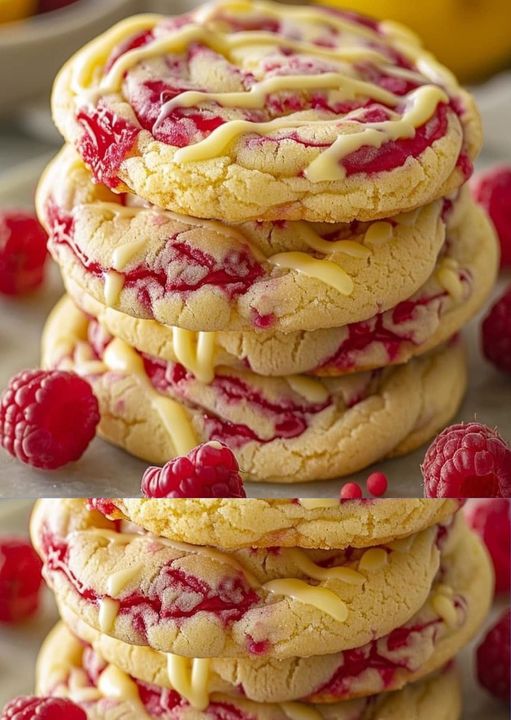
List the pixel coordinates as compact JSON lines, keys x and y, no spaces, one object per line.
{"x":307,"y":523}
{"x":253,"y":110}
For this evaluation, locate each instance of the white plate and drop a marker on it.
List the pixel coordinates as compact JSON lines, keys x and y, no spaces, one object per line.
{"x":108,"y":472}
{"x":19,"y":645}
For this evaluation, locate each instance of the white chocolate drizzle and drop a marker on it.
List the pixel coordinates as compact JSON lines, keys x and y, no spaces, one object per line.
{"x":120,"y":357}
{"x":419,"y":104}
{"x":319,"y":597}
{"x":373,"y":560}
{"x":108,"y":611}
{"x":326,"y":271}
{"x":117,"y":581}
{"x":309,"y":388}
{"x":123,"y":254}
{"x":196,"y":351}
{"x":447,"y":276}
{"x":316,"y":572}
{"x":443,"y":604}
{"x":190,"y":677}
{"x":114,"y":282}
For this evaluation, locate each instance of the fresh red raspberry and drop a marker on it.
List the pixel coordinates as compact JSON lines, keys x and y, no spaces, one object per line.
{"x":492,"y":190}
{"x":467,"y":461}
{"x":47,"y":418}
{"x":20,"y":580}
{"x":351,"y":491}
{"x":496,"y":333}
{"x":35,"y":708}
{"x":23,"y":252}
{"x":491,"y":519}
{"x":493,"y":664}
{"x":209,"y":470}
{"x":377,"y":484}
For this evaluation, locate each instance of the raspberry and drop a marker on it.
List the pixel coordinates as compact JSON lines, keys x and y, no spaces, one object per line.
{"x":467,"y":461}
{"x":496,"y":333}
{"x":35,"y":708}
{"x":23,"y":253}
{"x":492,"y":521}
{"x":209,"y":470}
{"x":47,"y":418}
{"x":493,"y":665}
{"x":20,"y":580}
{"x":377,"y":484}
{"x":351,"y":491}
{"x":492,"y":190}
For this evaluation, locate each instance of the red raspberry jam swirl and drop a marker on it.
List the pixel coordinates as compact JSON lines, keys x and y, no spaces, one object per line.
{"x":228,"y":602}
{"x":108,"y":138}
{"x":377,"y":656}
{"x":192,"y":268}
{"x":160,"y":702}
{"x":289,"y":417}
{"x":366,"y":335}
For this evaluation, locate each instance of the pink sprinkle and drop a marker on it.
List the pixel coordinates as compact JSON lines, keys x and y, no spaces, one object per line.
{"x":351,"y":491}
{"x":377,"y":484}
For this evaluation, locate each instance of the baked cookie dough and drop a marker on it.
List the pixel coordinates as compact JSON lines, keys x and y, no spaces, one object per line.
{"x":291,"y":429}
{"x":250,"y":110}
{"x":457,"y":289}
{"x":457,"y":604}
{"x":300,"y":522}
{"x":204,"y":275}
{"x":66,"y":668}
{"x":202,"y":601}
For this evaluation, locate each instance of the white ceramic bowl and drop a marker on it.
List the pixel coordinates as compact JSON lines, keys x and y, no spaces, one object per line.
{"x":33,"y":50}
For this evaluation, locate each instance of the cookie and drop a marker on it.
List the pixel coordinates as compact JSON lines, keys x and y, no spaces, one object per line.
{"x":462,"y":594}
{"x":457,"y":289}
{"x":204,"y":275}
{"x":291,"y":429}
{"x":65,"y":667}
{"x":249,"y":110}
{"x":197,"y":600}
{"x":301,"y":522}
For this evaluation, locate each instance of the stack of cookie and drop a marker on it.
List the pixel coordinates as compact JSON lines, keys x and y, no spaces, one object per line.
{"x":248,"y":609}
{"x":264,"y":236}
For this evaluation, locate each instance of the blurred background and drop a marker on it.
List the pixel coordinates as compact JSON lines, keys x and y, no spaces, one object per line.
{"x":472,"y":37}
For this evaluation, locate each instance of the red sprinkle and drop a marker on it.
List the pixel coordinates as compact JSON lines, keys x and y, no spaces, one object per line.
{"x":377,"y":484}
{"x":351,"y":491}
